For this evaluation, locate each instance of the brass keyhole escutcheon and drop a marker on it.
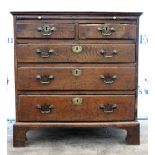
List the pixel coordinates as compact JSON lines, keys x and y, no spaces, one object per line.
{"x":76,"y":72}
{"x":77,"y":101}
{"x":106,"y":30}
{"x":46,"y":29}
{"x":77,"y":49}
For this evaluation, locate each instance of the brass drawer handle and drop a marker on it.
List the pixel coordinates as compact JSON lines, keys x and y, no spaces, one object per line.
{"x":77,"y":49}
{"x":44,"y":79}
{"x":46,"y":30}
{"x":77,"y":101}
{"x":106,"y":30}
{"x":45,"y":108}
{"x":108,"y":108}
{"x":107,"y":54}
{"x":108,"y":79}
{"x":44,"y":53}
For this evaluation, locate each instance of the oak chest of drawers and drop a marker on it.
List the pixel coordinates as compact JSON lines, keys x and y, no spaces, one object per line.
{"x":76,"y":69}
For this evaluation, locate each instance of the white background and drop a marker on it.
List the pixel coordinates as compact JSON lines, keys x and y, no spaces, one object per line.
{"x":146,"y":49}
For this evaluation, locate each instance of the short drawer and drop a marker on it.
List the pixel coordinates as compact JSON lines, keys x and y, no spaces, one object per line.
{"x":72,"y":78}
{"x":45,"y":30}
{"x":98,"y":53}
{"x":107,"y":31}
{"x":75,"y":108}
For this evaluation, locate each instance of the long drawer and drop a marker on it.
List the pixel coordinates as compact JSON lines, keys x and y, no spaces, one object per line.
{"x":112,"y":77}
{"x":98,"y":53}
{"x":76,"y":108}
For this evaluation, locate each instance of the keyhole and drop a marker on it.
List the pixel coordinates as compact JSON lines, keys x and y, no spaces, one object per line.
{"x":77,"y":49}
{"x":46,"y":28}
{"x":106,"y":28}
{"x":76,"y":72}
{"x":77,"y":100}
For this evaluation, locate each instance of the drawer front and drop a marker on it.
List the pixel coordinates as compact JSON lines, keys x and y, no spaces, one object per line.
{"x":76,"y":53}
{"x":76,"y":108}
{"x":42,"y":30}
{"x":72,"y":78}
{"x":105,"y":31}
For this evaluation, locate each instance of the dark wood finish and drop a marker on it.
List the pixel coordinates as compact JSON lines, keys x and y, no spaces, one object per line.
{"x":64,"y":53}
{"x":125,"y":79}
{"x":19,"y":135}
{"x":133,"y":135}
{"x":46,"y":87}
{"x":123,"y":31}
{"x":129,"y":126}
{"x":66,"y":110}
{"x":125,"y":16}
{"x":29,"y":30}
{"x":75,"y":92}
{"x":75,"y":65}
